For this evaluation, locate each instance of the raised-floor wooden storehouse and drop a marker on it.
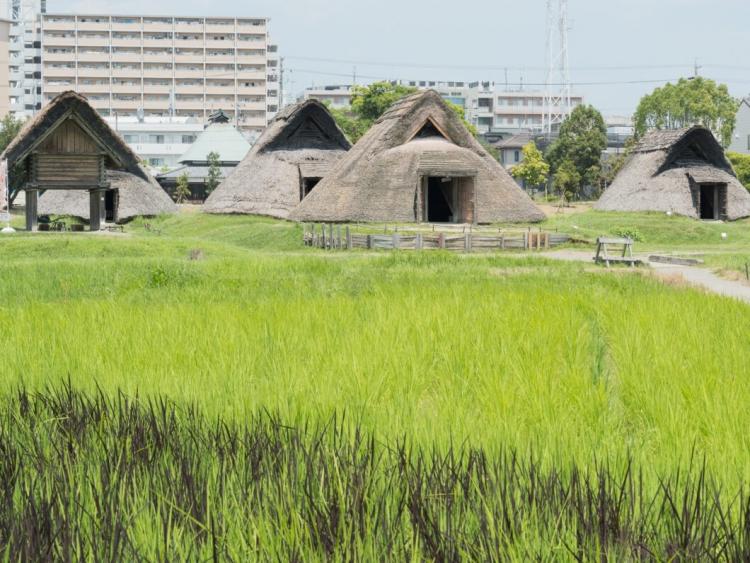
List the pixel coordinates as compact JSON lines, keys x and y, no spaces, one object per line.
{"x":683,"y":171}
{"x":300,"y":146}
{"x":418,"y":163}
{"x":81,"y":167}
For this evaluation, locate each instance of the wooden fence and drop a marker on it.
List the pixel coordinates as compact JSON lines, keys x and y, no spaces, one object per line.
{"x":343,"y":237}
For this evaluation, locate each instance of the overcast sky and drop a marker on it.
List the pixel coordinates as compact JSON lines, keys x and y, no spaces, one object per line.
{"x":611,"y":41}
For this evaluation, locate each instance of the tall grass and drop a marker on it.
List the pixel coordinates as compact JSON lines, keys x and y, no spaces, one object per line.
{"x":111,"y":477}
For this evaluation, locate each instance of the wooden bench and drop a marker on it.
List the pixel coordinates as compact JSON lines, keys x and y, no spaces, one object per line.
{"x":623,"y":252}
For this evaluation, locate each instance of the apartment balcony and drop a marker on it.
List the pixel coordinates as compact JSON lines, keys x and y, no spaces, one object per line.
{"x":91,"y":88}
{"x":56,"y":57}
{"x":182,"y":73}
{"x":259,"y":43}
{"x":49,"y":25}
{"x":196,"y":58}
{"x":126,"y":57}
{"x":251,"y":75}
{"x":93,"y":41}
{"x":219,"y":59}
{"x":165,"y":57}
{"x":159,"y":43}
{"x":122,"y":42}
{"x":162,"y":105}
{"x":132,"y":27}
{"x":251,"y":90}
{"x":188,"y":28}
{"x":124,"y":105}
{"x":160,"y":27}
{"x":251,"y":59}
{"x":99,"y":103}
{"x":132,"y":89}
{"x":93,"y":26}
{"x":57,"y":88}
{"x":166,"y":149}
{"x":252,"y":106}
{"x":57,"y":72}
{"x":93,"y":72}
{"x":189,"y":43}
{"x":220,"y":90}
{"x":52,"y":41}
{"x":247,"y":26}
{"x":219,"y":28}
{"x":157,"y":88}
{"x":190,"y":105}
{"x":93,"y":57}
{"x":189,"y":90}
{"x":220,"y":44}
{"x":130,"y":73}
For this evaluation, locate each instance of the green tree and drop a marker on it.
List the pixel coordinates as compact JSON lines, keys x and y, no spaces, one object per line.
{"x":182,"y":191}
{"x":741,"y":164}
{"x":214,"y":177}
{"x":582,"y":140}
{"x":9,"y":128}
{"x":567,"y":180}
{"x":353,"y":127}
{"x":692,"y":101}
{"x":533,"y":170}
{"x":370,"y":102}
{"x":461,"y":113}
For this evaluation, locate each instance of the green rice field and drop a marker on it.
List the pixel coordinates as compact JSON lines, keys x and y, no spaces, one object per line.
{"x":365,"y":384}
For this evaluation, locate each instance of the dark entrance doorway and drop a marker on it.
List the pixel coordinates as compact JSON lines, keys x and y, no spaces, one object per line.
{"x":110,"y":206}
{"x":447,"y":199}
{"x":440,"y":198}
{"x":712,"y":203}
{"x":308,"y":185}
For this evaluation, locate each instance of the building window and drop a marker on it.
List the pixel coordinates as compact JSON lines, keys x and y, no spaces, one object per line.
{"x":517,"y":156}
{"x":188,"y":139}
{"x":748,"y":142}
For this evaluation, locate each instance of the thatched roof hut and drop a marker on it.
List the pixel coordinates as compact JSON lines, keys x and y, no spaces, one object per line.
{"x":681,"y":171}
{"x":418,"y":163}
{"x":297,"y":149}
{"x":70,"y":154}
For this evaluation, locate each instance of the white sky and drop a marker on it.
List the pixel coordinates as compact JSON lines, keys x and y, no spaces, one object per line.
{"x":610,"y":40}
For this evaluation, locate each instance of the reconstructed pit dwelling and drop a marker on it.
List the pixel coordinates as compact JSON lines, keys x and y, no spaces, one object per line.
{"x":82,"y":168}
{"x":680,"y":171}
{"x":295,"y":152}
{"x":418,"y":163}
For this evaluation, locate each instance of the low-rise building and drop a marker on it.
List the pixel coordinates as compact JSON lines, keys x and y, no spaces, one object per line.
{"x":741,"y":136}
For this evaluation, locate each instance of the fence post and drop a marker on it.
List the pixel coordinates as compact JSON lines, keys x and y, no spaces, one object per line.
{"x":322,"y":236}
{"x":420,"y":242}
{"x":369,"y":242}
{"x":502,"y":241}
{"x":467,"y":242}
{"x":441,"y":240}
{"x":546,"y":241}
{"x":525,"y":241}
{"x":348,"y":238}
{"x":396,"y":241}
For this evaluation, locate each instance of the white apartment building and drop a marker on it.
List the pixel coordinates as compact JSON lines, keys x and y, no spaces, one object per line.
{"x":488,"y":106}
{"x":159,"y":142}
{"x":24,"y":94}
{"x":164,"y":66}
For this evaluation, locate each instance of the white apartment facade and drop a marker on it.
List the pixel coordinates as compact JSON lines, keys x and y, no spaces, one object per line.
{"x":24,"y":93}
{"x":150,"y":67}
{"x":488,"y":106}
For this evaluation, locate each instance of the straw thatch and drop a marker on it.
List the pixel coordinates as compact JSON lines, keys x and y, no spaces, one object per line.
{"x":139,"y":193}
{"x":666,"y":170}
{"x":303,"y":141}
{"x":419,"y":136}
{"x":135,"y":198}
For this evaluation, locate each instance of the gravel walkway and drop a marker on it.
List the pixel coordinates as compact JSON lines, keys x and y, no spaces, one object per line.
{"x":696,"y":276}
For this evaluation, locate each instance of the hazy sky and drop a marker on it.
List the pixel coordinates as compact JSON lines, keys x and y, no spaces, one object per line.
{"x":611,"y":41}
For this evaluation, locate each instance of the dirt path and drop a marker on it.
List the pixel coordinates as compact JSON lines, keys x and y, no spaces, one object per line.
{"x":700,"y":277}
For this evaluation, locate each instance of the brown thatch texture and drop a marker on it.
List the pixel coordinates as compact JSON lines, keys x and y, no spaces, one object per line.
{"x":267,"y":182}
{"x":58,"y":109}
{"x":665,"y":171}
{"x":136,"y":198}
{"x":378,"y":180}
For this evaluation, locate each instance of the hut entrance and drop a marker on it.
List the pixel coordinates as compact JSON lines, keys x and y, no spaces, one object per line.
{"x":308,"y":184}
{"x":111,"y":198}
{"x":712,"y":201}
{"x":448,"y":200}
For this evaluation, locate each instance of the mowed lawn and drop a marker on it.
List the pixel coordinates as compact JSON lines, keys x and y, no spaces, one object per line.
{"x":498,"y":351}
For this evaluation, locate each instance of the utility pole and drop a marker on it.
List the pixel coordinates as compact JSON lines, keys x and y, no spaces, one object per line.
{"x":281,"y":83}
{"x":354,"y":76}
{"x":557,"y":103}
{"x":697,"y":69}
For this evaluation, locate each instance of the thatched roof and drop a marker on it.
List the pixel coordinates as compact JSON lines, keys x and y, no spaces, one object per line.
{"x":665,"y":171}
{"x":302,"y":140}
{"x":53,"y":114}
{"x":420,"y":135}
{"x":136,"y":198}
